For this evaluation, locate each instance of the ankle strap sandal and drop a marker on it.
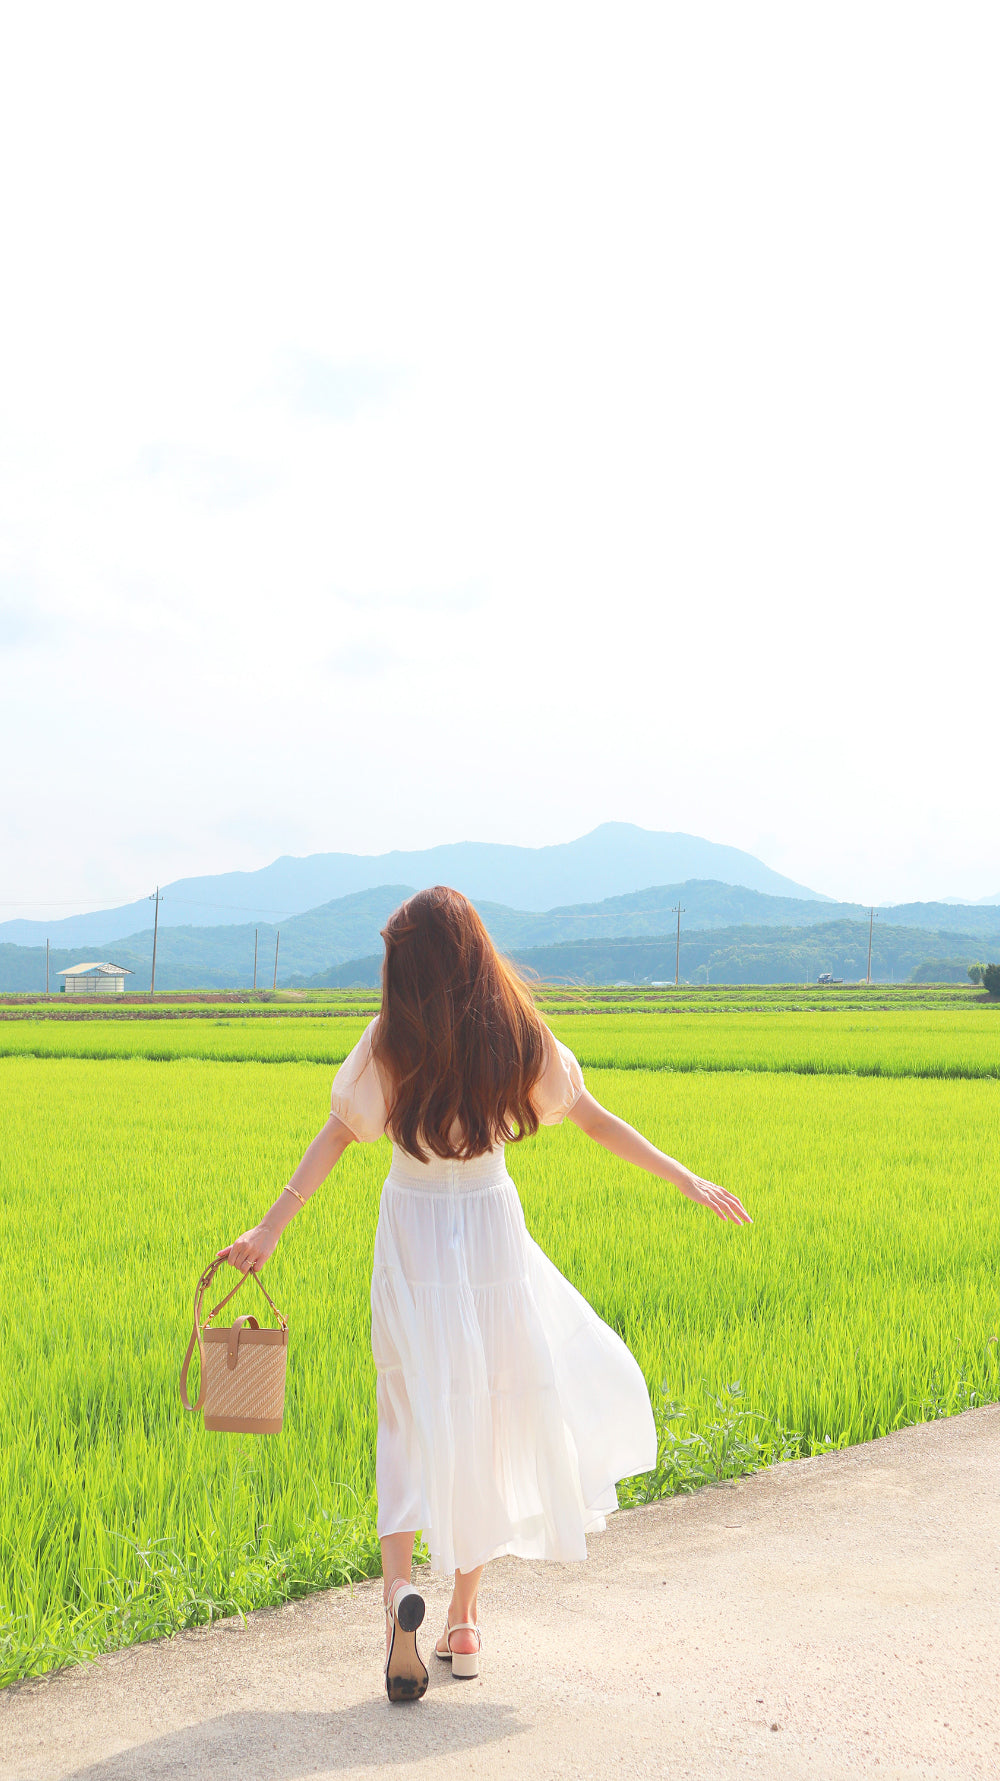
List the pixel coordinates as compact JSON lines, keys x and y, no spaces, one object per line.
{"x":464,"y":1664}
{"x":405,"y":1672}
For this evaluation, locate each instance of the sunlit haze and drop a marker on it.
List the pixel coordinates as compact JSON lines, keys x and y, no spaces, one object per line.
{"x":448,"y":422}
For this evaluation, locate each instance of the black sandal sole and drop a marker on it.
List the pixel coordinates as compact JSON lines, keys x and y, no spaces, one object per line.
{"x":408,"y":1682}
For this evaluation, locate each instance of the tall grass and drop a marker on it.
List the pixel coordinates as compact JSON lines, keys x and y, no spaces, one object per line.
{"x":957,"y":1042}
{"x":920,"y":1042}
{"x":228,"y":1038}
{"x":863,"y":1297}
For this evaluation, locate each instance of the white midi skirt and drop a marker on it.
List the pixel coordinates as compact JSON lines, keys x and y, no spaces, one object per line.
{"x":507,"y":1410}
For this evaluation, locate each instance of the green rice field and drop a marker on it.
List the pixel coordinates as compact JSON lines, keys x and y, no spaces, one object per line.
{"x":919,"y":1042}
{"x":865,"y":1295}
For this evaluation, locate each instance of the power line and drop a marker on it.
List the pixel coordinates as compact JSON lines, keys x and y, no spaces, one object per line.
{"x":181,"y":903}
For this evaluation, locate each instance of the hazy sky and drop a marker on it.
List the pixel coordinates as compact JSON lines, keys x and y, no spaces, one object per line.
{"x":426,"y":423}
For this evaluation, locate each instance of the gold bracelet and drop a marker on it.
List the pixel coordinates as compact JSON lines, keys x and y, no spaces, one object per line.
{"x":291,"y":1190}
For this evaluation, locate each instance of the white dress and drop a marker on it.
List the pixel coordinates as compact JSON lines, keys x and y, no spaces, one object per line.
{"x":507,"y":1410}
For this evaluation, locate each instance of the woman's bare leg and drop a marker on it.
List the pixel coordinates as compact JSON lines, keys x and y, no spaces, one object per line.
{"x":464,"y":1606}
{"x":397,"y":1561}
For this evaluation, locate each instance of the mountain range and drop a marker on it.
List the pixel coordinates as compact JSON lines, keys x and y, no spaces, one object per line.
{"x":749,"y":928}
{"x":613,"y":860}
{"x":744,"y":954}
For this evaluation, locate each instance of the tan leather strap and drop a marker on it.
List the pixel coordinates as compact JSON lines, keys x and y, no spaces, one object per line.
{"x":199,"y":1293}
{"x":196,"y":1334}
{"x":235,"y":1332}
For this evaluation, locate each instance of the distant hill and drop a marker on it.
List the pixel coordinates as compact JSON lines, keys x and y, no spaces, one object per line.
{"x":222,"y":957}
{"x":347,"y":929}
{"x":753,"y":955}
{"x":743,"y":954}
{"x":708,"y":904}
{"x":611,"y":861}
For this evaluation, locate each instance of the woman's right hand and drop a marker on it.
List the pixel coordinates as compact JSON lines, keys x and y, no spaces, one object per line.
{"x":695,"y":1187}
{"x":250,"y":1251}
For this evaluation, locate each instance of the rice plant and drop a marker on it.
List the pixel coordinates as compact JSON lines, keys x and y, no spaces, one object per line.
{"x":932,"y":1042}
{"x":863,"y":1297}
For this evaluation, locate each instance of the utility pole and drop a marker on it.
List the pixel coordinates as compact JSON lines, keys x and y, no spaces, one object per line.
{"x":277,"y":937}
{"x":871,"y":925}
{"x":255,"y":960}
{"x":46,"y":968}
{"x":678,"y":911}
{"x":156,"y":926}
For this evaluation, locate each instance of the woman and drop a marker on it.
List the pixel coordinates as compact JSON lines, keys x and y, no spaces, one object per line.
{"x":507,"y":1411}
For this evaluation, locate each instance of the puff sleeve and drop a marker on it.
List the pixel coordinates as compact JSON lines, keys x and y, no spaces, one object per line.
{"x":560,"y":1085}
{"x":357,"y":1098}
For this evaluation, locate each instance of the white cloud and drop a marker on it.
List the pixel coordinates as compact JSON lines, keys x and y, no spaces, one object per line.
{"x":334,"y":392}
{"x":457,"y":423}
{"x":202,"y":477}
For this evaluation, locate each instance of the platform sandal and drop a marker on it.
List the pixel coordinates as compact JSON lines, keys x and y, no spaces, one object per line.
{"x":464,"y":1664}
{"x":405,"y":1672}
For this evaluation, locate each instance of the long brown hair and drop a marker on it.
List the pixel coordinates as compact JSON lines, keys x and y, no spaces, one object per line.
{"x":458,"y":1037}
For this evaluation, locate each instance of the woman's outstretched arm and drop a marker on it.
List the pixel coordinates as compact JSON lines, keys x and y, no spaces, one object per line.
{"x":253,"y":1248}
{"x":623,"y":1140}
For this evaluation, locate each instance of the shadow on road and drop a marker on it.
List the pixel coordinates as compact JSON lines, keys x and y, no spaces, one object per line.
{"x":276,"y":1746}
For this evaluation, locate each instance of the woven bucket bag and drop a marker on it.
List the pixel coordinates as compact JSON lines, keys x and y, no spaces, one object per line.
{"x":242,"y":1387}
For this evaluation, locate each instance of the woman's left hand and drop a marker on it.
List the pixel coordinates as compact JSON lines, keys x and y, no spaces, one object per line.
{"x":250,"y":1251}
{"x":719,"y":1198}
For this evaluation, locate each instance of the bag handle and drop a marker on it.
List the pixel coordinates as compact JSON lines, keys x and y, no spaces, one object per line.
{"x":196,"y":1333}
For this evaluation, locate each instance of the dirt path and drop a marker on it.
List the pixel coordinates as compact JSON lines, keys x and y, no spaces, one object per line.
{"x":829,"y":1618}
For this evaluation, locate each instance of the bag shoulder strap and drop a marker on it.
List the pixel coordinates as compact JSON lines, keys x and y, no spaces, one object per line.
{"x":196,"y":1334}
